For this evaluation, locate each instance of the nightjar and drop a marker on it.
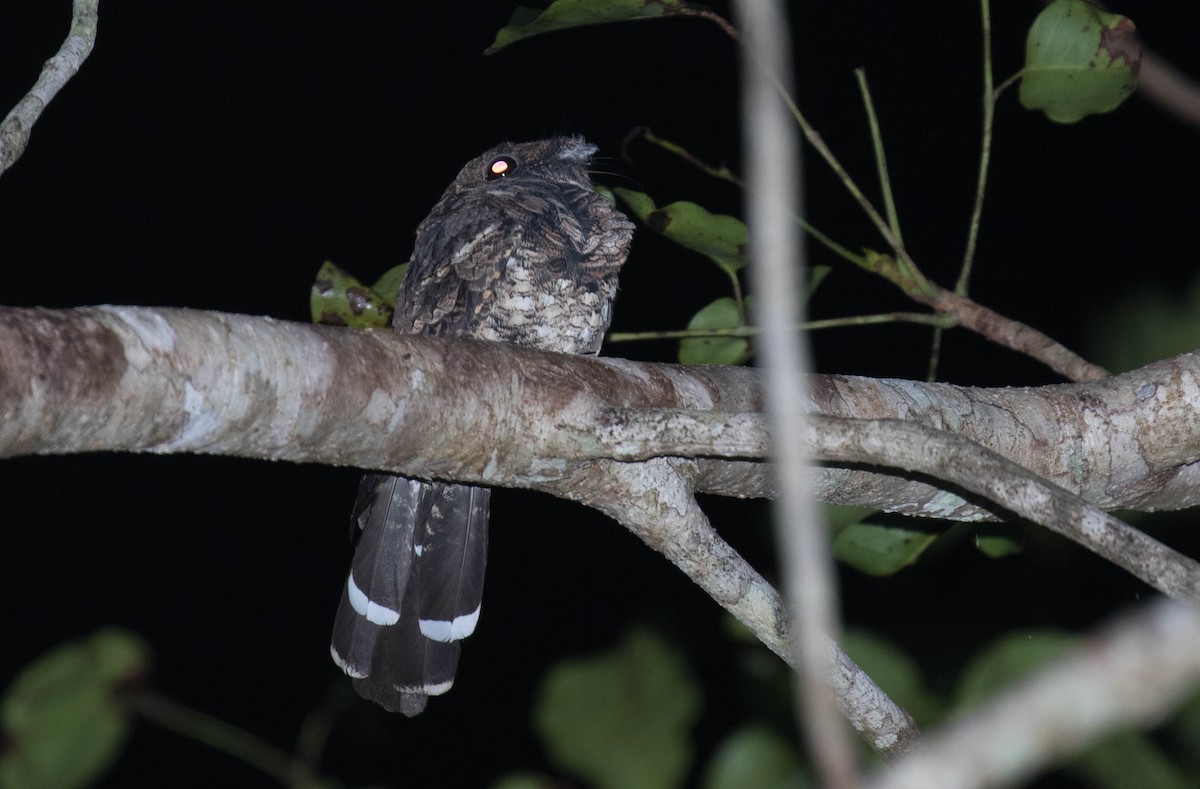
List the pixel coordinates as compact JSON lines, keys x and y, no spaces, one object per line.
{"x":519,"y":249}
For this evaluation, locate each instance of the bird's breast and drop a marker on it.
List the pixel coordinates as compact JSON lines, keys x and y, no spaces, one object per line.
{"x":543,"y":310}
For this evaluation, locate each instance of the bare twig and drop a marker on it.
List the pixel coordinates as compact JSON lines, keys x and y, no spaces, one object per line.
{"x":1015,"y":335}
{"x":885,"y":179}
{"x":1132,"y":673}
{"x":952,"y":308}
{"x":17,"y":125}
{"x":222,"y":736}
{"x":751,"y":331}
{"x":985,"y":155}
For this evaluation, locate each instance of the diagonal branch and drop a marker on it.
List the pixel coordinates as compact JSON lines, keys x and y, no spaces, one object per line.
{"x":954,"y":459}
{"x":655,"y":501}
{"x":980,"y":470}
{"x":18,"y":124}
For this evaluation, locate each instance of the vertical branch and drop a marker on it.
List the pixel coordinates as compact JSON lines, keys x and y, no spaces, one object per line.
{"x":17,"y":125}
{"x":772,"y":156}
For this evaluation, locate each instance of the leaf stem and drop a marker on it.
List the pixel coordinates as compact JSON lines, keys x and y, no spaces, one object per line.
{"x":885,"y":181}
{"x":725,"y":174}
{"x":985,"y":157}
{"x":222,"y":736}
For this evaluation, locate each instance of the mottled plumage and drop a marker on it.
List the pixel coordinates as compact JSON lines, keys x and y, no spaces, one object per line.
{"x":519,"y":249}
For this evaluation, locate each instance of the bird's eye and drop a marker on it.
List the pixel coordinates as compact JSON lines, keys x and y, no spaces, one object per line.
{"x":500,"y":167}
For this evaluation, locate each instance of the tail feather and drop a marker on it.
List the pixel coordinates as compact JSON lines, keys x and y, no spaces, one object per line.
{"x":414,"y":588}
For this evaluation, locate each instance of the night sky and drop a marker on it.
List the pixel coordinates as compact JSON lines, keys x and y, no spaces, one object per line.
{"x":212,"y":155}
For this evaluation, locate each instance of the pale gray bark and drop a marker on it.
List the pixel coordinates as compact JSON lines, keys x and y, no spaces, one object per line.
{"x":18,"y":124}
{"x":615,"y":434}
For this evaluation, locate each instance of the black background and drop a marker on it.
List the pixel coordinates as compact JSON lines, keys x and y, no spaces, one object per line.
{"x":212,"y":155}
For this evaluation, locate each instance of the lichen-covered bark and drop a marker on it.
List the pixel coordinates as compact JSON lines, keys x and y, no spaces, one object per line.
{"x":633,"y":440}
{"x":166,"y":380}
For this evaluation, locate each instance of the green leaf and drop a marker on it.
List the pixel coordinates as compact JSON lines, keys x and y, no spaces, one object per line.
{"x":61,"y":721}
{"x":388,"y":285}
{"x":879,"y":549}
{"x":1008,"y":659}
{"x":525,"y":780}
{"x":1184,"y":730}
{"x":621,"y":719}
{"x":755,"y":756}
{"x":1129,"y":758}
{"x":1079,"y":61}
{"x":816,"y":275}
{"x":997,"y":546}
{"x":338,"y":299}
{"x":564,"y":14}
{"x":719,"y":237}
{"x":605,"y":192}
{"x":997,"y":540}
{"x":721,"y":314}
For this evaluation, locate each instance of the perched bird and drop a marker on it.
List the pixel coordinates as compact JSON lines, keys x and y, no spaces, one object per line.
{"x":519,"y":249}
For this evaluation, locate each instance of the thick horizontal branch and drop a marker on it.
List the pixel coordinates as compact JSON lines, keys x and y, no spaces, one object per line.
{"x":1130,"y":440}
{"x":166,"y":380}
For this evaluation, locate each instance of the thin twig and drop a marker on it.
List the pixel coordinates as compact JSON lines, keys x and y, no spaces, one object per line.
{"x":1015,"y":335}
{"x":723,"y":173}
{"x":985,"y":155}
{"x":222,"y":736}
{"x":952,"y":308}
{"x":1009,"y":333}
{"x":18,"y":124}
{"x":989,"y":107}
{"x":885,"y":181}
{"x":750,"y":331}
